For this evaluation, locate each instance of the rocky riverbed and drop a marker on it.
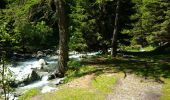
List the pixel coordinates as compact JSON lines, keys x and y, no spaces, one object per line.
{"x":34,"y":72}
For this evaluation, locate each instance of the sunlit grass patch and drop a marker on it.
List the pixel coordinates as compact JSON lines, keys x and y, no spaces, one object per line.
{"x":104,"y":83}
{"x":73,"y":94}
{"x":166,"y":90}
{"x":30,"y":93}
{"x":101,"y":86}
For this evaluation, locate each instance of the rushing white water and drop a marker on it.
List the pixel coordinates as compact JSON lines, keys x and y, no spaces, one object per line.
{"x":47,"y":88}
{"x":45,"y":78}
{"x":25,"y":67}
{"x":80,"y":56}
{"x":40,"y":83}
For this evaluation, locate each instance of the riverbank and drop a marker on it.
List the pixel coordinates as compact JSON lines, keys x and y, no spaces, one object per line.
{"x":103,"y":77}
{"x":33,"y":73}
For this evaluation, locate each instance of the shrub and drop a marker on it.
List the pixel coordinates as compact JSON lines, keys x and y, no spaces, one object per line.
{"x":74,"y":65}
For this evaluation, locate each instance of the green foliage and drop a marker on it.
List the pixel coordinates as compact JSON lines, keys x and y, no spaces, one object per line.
{"x":7,"y":38}
{"x":75,"y":65}
{"x":152,"y":22}
{"x":28,"y":94}
{"x":91,"y":23}
{"x":16,"y":29}
{"x":109,"y":57}
{"x":5,"y":77}
{"x":33,"y":34}
{"x":77,"y":23}
{"x":33,"y":23}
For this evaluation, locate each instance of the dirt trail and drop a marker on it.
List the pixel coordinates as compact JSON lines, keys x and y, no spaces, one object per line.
{"x":82,"y":82}
{"x":135,"y":88}
{"x":129,"y":88}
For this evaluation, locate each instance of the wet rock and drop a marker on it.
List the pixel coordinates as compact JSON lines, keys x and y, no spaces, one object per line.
{"x":57,"y":52}
{"x":40,"y":54}
{"x":33,"y":76}
{"x":48,"y":51}
{"x":25,"y":77}
{"x":34,"y":55}
{"x":55,"y":74}
{"x":40,"y":64}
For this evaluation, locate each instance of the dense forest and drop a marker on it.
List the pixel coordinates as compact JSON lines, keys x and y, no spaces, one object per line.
{"x":29,"y":24}
{"x":110,"y":27}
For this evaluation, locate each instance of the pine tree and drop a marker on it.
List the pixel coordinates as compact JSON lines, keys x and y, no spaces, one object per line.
{"x":152,"y":18}
{"x":78,"y":16}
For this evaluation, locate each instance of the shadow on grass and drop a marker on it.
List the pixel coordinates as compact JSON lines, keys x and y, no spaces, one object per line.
{"x":79,"y":74}
{"x":148,"y":66}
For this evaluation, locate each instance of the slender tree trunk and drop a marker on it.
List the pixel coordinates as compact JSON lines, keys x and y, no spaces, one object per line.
{"x":63,"y":36}
{"x":115,"y":32}
{"x":3,"y":79}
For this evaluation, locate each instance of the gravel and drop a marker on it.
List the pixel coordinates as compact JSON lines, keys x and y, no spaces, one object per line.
{"x":135,"y":88}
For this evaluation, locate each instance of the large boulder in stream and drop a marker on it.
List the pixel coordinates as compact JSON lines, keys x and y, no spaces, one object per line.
{"x":40,"y":64}
{"x":31,"y":77}
{"x":25,"y":77}
{"x":28,"y":73}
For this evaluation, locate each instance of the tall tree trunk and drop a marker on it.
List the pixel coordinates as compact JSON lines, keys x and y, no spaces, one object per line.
{"x":63,"y":37}
{"x":115,"y":32}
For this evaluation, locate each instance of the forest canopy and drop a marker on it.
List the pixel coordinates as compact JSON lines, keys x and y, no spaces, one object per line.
{"x":26,"y":24}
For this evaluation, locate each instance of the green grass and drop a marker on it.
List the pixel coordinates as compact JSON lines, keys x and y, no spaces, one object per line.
{"x":83,"y":70}
{"x":143,"y":64}
{"x":101,"y":86}
{"x":104,"y":83}
{"x":166,"y":90}
{"x":30,"y":93}
{"x":73,"y":94}
{"x":148,"y":48}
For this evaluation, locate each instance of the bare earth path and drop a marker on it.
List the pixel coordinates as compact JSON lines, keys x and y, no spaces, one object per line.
{"x":129,"y":88}
{"x":82,"y":82}
{"x":135,"y":88}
